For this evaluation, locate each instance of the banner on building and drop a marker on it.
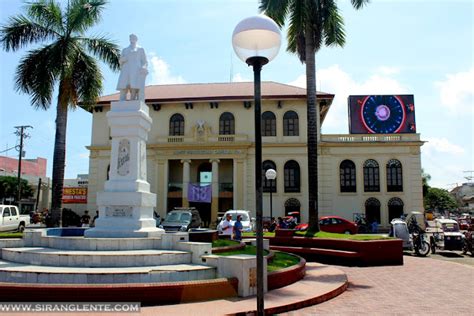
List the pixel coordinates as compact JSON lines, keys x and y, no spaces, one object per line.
{"x":199,"y":193}
{"x":74,"y":195}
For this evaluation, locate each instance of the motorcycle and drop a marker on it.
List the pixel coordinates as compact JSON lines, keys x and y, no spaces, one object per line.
{"x":420,"y":243}
{"x":468,"y":242}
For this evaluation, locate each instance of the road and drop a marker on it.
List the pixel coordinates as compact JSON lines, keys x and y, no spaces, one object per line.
{"x":451,"y":256}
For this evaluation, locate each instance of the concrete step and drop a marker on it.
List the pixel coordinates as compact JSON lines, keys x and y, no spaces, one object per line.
{"x":81,"y":243}
{"x":43,"y":256}
{"x":28,"y":273}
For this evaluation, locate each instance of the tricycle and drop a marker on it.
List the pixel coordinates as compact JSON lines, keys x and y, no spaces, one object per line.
{"x":446,"y":235}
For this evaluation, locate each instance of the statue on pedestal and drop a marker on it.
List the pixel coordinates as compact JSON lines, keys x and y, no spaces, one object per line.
{"x":133,"y":71}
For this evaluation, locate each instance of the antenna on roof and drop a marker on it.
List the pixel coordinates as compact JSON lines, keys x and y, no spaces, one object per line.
{"x":231,"y":68}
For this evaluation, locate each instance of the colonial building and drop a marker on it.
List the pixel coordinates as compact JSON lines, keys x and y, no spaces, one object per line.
{"x":203,"y":134}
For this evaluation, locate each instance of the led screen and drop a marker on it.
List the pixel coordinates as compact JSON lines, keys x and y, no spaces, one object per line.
{"x":381,"y":114}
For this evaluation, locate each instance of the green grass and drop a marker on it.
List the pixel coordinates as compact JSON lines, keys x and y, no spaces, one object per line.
{"x":282,"y":260}
{"x":224,"y":243}
{"x":252,"y":234}
{"x":248,"y":250}
{"x":322,"y":234}
{"x":11,"y":235}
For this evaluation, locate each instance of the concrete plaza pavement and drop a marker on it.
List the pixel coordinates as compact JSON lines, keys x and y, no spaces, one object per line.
{"x":422,"y":286}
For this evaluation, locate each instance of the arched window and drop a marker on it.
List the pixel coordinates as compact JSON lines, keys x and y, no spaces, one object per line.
{"x":371,"y":176}
{"x":291,"y":124}
{"x":395,"y":208}
{"x":372,"y":210}
{"x":177,"y":125}
{"x":292,"y":176}
{"x":394,"y":176}
{"x":226,"y":124}
{"x":267,"y":184}
{"x":268,"y":124}
{"x":347,"y":175}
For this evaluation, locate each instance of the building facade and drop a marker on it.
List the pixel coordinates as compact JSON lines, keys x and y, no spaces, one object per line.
{"x":203,"y":135}
{"x":34,"y":171}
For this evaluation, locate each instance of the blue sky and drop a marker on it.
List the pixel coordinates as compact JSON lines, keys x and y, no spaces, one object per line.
{"x":415,"y":47}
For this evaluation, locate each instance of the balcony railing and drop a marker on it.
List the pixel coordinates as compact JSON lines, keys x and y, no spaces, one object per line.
{"x":353,"y":138}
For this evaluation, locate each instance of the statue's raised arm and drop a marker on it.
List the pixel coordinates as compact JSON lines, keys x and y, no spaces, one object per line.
{"x":133,"y":71}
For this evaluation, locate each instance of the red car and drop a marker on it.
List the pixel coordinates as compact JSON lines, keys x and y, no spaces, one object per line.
{"x":336,"y":224}
{"x":333,"y":224}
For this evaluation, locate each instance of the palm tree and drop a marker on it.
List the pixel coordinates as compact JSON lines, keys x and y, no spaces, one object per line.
{"x":311,"y":24}
{"x":63,"y":61}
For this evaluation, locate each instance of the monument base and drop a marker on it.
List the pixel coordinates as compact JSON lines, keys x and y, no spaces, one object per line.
{"x":126,"y":205}
{"x":125,"y":215}
{"x":113,"y":233}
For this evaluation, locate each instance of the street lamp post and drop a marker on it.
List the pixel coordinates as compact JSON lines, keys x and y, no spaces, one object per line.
{"x":256,"y":41}
{"x":271,"y":175}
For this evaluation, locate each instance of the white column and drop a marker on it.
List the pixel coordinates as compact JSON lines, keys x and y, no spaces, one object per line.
{"x":186,"y":178}
{"x":215,"y":188}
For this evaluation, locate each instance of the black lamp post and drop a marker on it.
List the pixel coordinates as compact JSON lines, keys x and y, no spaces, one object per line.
{"x":271,"y":175}
{"x":256,"y":41}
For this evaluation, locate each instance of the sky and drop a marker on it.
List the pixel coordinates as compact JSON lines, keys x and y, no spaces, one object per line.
{"x":419,"y":47}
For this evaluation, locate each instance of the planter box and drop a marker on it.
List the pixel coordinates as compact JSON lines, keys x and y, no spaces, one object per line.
{"x":370,"y":252}
{"x":284,"y":232}
{"x":203,"y":235}
{"x":287,"y":276}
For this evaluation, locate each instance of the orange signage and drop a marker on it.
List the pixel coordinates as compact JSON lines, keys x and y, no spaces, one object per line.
{"x":74,"y":195}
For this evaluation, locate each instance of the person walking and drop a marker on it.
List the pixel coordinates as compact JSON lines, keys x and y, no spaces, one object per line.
{"x":227,"y":227}
{"x":238,"y":228}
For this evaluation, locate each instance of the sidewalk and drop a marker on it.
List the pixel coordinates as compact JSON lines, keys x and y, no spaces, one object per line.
{"x":422,"y":286}
{"x":320,"y":284}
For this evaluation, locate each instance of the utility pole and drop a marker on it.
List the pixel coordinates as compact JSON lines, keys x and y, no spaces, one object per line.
{"x":20,"y":131}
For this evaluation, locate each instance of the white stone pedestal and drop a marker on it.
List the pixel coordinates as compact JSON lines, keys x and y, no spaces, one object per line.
{"x":126,"y":205}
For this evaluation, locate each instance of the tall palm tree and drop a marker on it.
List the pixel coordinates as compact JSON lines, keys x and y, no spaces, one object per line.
{"x":311,"y":24}
{"x":61,"y":59}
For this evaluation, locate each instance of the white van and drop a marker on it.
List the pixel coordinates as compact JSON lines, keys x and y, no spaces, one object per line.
{"x":248,"y":223}
{"x":10,"y":218}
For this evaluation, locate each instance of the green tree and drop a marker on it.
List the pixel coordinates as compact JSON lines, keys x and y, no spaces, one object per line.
{"x":63,"y":59}
{"x":9,"y":188}
{"x":440,"y":200}
{"x":311,"y":25}
{"x":425,"y":177}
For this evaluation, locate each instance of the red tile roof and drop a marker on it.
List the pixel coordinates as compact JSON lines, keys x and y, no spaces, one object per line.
{"x":218,"y":92}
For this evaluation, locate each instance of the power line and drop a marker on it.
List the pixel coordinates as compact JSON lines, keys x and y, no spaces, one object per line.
{"x":8,"y":149}
{"x":20,"y":131}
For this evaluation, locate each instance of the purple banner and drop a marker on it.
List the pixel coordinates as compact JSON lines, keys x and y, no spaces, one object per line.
{"x":197,"y":193}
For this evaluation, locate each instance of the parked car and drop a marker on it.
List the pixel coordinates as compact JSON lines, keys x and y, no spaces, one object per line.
{"x":332,"y":224}
{"x":336,"y":224}
{"x":10,"y":218}
{"x":445,"y":235}
{"x":247,"y":221}
{"x":181,"y":219}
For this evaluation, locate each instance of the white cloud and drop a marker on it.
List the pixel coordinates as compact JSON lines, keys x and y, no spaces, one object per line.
{"x":457,"y":92}
{"x":238,"y":78}
{"x":441,"y":145}
{"x":160,"y":72}
{"x":388,"y":70}
{"x":84,"y":155}
{"x":336,"y":81}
